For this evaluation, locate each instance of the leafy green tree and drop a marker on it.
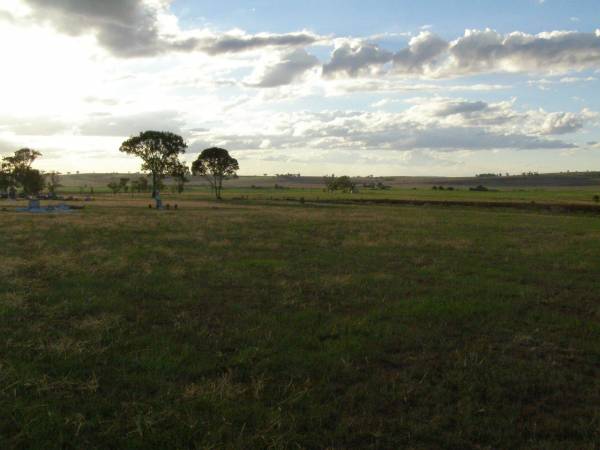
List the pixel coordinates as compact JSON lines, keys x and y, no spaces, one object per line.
{"x":159,"y":151}
{"x":215,"y":164}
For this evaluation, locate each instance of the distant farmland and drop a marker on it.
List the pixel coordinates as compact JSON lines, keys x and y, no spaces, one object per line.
{"x":575,"y":179}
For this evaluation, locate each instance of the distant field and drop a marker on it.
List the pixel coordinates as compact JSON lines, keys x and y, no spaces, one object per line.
{"x":578,"y":189}
{"x":253,"y":323}
{"x":549,"y":180}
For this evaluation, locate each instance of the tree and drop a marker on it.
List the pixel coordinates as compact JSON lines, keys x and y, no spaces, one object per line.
{"x":216,"y":165}
{"x":53,"y":182}
{"x":22,"y":159}
{"x":5,"y":180}
{"x":343,"y":183}
{"x":179,"y":173}
{"x":32,"y":181}
{"x":139,"y":185}
{"x":159,"y":151}
{"x":123,"y":184}
{"x":114,"y":187}
{"x":20,"y":173}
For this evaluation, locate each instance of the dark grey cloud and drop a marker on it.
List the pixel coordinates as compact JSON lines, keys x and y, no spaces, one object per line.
{"x":237,"y":44}
{"x":126,"y":28}
{"x":129,"y":28}
{"x":291,"y":67}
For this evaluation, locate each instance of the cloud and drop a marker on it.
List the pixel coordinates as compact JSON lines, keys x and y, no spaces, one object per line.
{"x":422,"y":51}
{"x":128,"y":125}
{"x":141,"y":28}
{"x":289,"y":68}
{"x":5,"y":16}
{"x":462,"y":107}
{"x":32,"y":125}
{"x":126,"y":28}
{"x":549,"y":52}
{"x":102,"y":101}
{"x":231,"y":43}
{"x":500,"y":117}
{"x":353,"y":59}
{"x":562,"y":123}
{"x":477,"y":52}
{"x":6,"y":148}
{"x":438,"y":124}
{"x":392,"y":84}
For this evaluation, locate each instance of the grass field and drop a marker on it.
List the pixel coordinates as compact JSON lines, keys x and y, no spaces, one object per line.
{"x":272,"y":324}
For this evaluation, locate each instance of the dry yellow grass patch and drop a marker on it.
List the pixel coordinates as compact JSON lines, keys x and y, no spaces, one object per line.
{"x":222,"y":388}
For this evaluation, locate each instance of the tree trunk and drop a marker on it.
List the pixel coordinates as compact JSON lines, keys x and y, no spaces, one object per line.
{"x":153,"y":185}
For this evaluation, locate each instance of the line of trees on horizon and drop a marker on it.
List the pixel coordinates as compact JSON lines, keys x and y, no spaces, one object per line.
{"x":159,"y":151}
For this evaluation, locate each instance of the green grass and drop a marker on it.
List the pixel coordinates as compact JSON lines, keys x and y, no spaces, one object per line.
{"x":540,"y":195}
{"x":252,"y":325}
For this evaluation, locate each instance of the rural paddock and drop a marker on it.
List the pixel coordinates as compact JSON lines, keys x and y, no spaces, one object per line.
{"x":262,"y":324}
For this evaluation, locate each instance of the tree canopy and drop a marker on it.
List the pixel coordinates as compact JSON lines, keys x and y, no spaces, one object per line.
{"x":215,"y":164}
{"x":16,"y":171}
{"x":159,"y":151}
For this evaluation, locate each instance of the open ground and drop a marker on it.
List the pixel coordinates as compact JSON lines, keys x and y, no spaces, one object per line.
{"x":258,"y":322}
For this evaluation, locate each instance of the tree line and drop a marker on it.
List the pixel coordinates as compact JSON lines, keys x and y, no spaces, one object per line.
{"x":159,"y":151}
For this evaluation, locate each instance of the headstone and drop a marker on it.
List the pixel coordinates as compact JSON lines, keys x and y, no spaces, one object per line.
{"x":158,"y":201}
{"x":34,"y":203}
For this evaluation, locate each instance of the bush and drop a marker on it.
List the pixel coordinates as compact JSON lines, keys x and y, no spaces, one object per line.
{"x":479,"y":188}
{"x":343,"y":183}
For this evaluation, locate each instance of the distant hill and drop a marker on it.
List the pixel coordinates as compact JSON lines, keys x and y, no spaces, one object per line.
{"x":570,"y":179}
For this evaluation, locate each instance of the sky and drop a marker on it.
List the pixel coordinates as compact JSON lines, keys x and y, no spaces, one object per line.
{"x":312,"y":87}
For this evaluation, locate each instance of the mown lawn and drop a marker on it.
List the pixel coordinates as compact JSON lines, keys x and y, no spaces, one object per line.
{"x":247,"y":325}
